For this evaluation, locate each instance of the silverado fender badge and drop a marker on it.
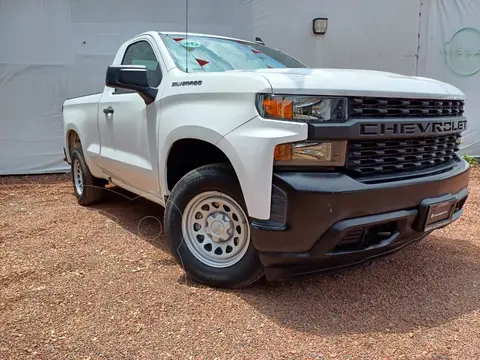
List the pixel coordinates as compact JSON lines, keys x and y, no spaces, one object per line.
{"x":187,"y":83}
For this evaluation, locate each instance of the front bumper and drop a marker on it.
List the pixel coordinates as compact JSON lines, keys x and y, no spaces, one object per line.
{"x":331,"y":221}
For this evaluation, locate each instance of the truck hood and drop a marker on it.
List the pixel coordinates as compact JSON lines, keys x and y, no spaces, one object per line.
{"x":354,"y":83}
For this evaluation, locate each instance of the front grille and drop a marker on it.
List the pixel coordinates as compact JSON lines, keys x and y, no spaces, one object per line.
{"x":382,"y":157}
{"x":372,"y":107}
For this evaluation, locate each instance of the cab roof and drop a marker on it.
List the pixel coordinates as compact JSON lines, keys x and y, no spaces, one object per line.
{"x":183,"y":33}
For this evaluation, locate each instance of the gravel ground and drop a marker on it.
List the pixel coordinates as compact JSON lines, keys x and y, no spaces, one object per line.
{"x":91,"y":283}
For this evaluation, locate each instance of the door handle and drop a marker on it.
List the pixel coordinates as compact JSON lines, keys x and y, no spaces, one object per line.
{"x":108,"y":110}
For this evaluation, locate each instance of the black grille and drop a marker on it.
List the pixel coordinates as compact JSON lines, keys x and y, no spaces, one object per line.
{"x":379,"y":157}
{"x":362,"y":107}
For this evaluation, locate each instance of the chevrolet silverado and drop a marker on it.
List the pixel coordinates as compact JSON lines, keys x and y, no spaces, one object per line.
{"x":267,"y":167}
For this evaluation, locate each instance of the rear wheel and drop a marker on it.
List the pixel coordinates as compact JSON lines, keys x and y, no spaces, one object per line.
{"x":208,"y":229}
{"x":88,"y":189}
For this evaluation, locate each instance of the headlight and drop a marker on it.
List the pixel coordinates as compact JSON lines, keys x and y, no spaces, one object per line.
{"x":325,"y":153}
{"x":303,"y":108}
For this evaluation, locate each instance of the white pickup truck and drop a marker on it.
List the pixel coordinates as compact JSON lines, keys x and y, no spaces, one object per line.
{"x":264,"y":165}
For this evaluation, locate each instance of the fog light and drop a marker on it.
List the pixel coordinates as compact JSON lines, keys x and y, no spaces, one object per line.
{"x":325,"y":153}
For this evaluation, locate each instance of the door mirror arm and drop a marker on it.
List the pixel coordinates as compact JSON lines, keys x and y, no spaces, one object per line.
{"x":148,"y":95}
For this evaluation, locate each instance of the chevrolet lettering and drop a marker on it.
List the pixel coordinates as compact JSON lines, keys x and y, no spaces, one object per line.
{"x":396,"y":129}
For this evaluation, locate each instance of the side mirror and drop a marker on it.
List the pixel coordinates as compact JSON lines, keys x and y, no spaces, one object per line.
{"x":131,"y":77}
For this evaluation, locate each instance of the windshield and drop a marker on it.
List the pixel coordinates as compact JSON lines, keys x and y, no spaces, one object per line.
{"x":209,"y":54}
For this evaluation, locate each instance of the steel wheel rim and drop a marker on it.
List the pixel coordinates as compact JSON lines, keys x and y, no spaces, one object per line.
{"x":78,"y":177}
{"x":215,"y":229}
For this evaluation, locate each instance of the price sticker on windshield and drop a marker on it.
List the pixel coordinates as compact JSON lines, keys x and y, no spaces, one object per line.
{"x":190,"y":44}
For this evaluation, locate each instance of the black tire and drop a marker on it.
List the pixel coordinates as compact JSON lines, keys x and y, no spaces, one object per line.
{"x":93,"y":188}
{"x":221,"y":178}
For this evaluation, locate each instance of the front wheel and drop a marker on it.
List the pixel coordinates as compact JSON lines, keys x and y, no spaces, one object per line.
{"x":208,"y":229}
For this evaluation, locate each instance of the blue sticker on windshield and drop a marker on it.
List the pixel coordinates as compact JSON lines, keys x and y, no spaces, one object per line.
{"x":190,"y":44}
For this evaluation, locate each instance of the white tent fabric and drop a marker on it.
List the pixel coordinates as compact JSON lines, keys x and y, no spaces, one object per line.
{"x":57,"y":49}
{"x":374,"y":34}
{"x":439,"y":39}
{"x":450,"y":52}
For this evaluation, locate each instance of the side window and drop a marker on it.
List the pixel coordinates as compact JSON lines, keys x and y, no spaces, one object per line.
{"x":141,"y":53}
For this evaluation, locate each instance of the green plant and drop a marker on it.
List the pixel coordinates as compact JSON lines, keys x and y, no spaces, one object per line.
{"x":471,"y":160}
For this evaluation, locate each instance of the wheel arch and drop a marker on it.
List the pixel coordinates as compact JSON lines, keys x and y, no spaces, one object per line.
{"x":189,"y":139}
{"x":72,"y":137}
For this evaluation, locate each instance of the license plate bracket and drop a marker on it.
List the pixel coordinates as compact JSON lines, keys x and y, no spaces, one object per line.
{"x":436,"y":213}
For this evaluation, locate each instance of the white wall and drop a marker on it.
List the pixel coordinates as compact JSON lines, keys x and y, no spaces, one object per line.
{"x":450,"y":52}
{"x":55,"y":49}
{"x":368,"y":34}
{"x":388,"y":35}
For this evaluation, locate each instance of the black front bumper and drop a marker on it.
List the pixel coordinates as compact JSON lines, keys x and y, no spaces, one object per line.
{"x":327,"y":221}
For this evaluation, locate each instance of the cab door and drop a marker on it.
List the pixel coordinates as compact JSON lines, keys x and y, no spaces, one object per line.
{"x":128,"y":127}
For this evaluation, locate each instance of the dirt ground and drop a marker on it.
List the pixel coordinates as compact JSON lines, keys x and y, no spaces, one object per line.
{"x":92,"y":283}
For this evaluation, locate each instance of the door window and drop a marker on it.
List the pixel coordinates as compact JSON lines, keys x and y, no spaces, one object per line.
{"x":141,"y":53}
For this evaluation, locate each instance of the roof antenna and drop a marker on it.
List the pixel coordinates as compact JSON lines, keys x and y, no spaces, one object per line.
{"x":186,"y":35}
{"x":259,"y":40}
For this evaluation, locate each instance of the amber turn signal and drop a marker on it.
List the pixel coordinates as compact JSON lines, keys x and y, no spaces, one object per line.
{"x":278,"y":108}
{"x":283,"y":152}
{"x":330,"y":153}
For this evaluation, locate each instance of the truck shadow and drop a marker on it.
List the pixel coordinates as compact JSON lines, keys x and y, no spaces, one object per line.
{"x":429,"y":284}
{"x":424,"y":286}
{"x":137,"y":215}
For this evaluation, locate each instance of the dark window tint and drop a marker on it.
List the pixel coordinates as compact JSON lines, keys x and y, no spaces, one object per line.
{"x":141,"y":53}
